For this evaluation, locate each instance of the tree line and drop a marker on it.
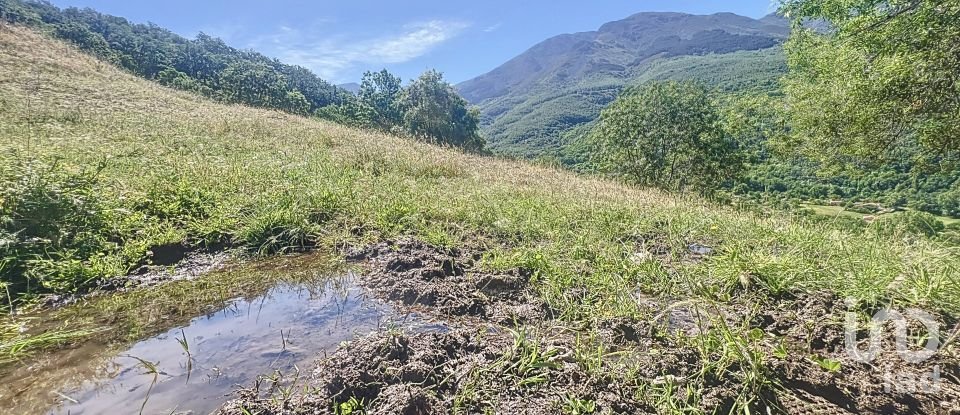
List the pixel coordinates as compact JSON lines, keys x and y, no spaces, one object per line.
{"x":428,"y":108}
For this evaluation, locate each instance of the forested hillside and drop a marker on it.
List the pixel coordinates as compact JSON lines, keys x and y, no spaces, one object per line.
{"x":205,"y":65}
{"x":533,"y":104}
{"x":209,"y":67}
{"x":549,"y":121}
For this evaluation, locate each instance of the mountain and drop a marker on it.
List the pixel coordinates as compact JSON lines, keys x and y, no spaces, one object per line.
{"x":532,"y":104}
{"x":351,"y":87}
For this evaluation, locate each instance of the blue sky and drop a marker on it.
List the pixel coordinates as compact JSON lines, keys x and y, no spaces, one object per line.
{"x":340,"y":39}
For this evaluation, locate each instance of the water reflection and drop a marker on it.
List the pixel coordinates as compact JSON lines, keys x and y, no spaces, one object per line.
{"x":193,"y":369}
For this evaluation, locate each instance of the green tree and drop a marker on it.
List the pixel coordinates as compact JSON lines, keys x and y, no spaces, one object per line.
{"x":881,"y":77}
{"x":176,"y":79}
{"x":253,"y":84}
{"x":379,"y":95}
{"x":86,"y":39}
{"x":317,"y":92}
{"x":666,"y":135}
{"x":295,"y":103}
{"x":432,"y":109}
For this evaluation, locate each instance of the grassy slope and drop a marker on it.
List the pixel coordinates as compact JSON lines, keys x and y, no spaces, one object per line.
{"x":281,"y":175}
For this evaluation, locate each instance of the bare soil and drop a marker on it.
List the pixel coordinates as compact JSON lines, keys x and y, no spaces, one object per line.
{"x":485,"y":364}
{"x":444,"y":281}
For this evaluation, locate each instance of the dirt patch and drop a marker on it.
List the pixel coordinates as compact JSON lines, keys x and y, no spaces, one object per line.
{"x":798,"y":344}
{"x":773,"y":355}
{"x":446,"y":281}
{"x":441,"y":373}
{"x":821,"y":376}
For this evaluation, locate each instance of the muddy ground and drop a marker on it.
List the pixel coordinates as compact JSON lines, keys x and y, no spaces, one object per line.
{"x":503,"y":352}
{"x":166,"y":263}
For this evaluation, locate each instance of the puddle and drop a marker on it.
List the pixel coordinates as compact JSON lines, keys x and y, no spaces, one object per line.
{"x":286,"y":329}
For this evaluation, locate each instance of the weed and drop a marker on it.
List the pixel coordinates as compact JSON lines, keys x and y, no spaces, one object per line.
{"x":527,"y":363}
{"x":151,"y":369}
{"x":186,"y":349}
{"x":352,"y":406}
{"x":571,"y":405}
{"x":830,"y":365}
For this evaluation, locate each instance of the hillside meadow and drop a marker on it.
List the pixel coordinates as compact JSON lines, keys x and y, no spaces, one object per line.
{"x":168,"y":167}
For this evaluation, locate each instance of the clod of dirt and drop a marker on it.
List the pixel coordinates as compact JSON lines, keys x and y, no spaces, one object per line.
{"x":168,"y":254}
{"x":445,"y":281}
{"x":440,"y":373}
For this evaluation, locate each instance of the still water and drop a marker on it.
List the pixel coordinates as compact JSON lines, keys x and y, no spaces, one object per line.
{"x":286,"y":330}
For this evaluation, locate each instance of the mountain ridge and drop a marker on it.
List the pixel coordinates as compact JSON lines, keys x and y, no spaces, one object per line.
{"x":596,"y":65}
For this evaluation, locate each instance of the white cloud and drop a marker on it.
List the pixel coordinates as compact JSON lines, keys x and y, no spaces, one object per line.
{"x":332,"y":56}
{"x":492,"y":28}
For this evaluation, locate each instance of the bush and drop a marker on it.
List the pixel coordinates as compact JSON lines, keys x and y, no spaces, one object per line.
{"x":909,"y":223}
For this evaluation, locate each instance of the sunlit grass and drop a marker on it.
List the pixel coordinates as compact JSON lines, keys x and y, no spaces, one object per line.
{"x":275,"y":182}
{"x":275,"y":179}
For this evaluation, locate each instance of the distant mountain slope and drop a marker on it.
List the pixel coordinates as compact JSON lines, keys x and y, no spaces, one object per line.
{"x":351,"y":87}
{"x":531,"y":102}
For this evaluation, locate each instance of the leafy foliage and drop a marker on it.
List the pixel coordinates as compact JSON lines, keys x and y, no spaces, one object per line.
{"x":762,"y":124}
{"x":379,"y":99}
{"x":887,"y":72}
{"x":434,"y":110}
{"x":666,"y":135}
